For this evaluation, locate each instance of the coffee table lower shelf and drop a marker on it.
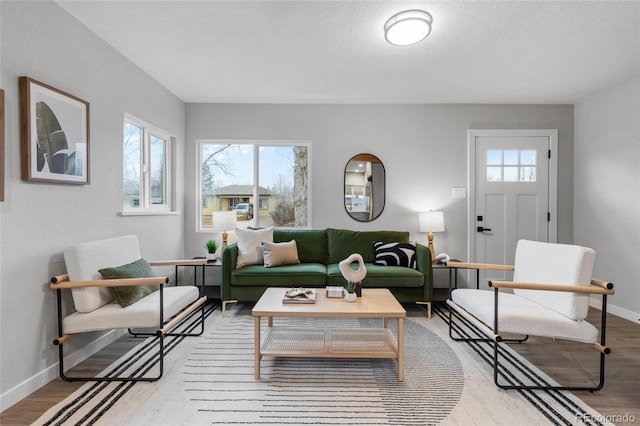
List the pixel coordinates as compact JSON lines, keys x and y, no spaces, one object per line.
{"x":329,"y":343}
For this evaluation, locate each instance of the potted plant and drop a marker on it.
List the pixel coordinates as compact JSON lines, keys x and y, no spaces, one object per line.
{"x":351,"y":292}
{"x":212,"y":247}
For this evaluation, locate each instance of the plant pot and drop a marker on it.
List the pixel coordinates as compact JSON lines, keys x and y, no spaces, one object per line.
{"x":211,"y":257}
{"x":350,"y":297}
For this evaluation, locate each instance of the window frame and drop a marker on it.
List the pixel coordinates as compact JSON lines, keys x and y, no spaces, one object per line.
{"x":256,"y":172}
{"x":145,"y":205}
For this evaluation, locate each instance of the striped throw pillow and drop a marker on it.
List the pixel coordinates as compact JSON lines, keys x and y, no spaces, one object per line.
{"x":395,"y":254}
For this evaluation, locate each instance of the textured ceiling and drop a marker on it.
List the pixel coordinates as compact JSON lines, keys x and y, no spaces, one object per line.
{"x":330,"y":51}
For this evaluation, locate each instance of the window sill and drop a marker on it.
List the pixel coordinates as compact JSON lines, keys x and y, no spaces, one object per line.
{"x":149,"y":213}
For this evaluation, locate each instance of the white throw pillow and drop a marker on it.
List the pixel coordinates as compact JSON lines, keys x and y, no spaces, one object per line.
{"x":276,"y":254}
{"x":249,"y":245}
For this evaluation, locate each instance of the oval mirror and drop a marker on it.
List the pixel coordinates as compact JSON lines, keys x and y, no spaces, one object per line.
{"x":364,"y":187}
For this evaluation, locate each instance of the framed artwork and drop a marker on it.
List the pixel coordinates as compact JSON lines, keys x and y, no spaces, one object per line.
{"x":55,"y":134}
{"x":1,"y":145}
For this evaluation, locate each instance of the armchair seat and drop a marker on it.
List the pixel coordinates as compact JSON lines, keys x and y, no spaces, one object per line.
{"x":142,"y":314}
{"x":518,"y":315}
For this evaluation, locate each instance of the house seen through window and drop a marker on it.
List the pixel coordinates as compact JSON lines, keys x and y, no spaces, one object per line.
{"x":265,"y":184}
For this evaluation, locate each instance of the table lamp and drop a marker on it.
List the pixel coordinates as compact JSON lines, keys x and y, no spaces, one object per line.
{"x":224,"y":222}
{"x":431,"y":222}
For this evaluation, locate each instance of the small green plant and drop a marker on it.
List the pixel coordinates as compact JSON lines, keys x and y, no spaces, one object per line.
{"x":351,"y":287}
{"x":212,"y":246}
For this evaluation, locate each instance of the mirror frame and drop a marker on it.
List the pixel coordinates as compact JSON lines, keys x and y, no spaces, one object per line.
{"x":379,"y":178}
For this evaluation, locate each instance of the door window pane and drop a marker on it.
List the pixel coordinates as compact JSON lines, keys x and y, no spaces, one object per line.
{"x":494,"y":157}
{"x":511,"y":157}
{"x":527,"y":174}
{"x":528,"y":158}
{"x":494,"y":174}
{"x":510,"y":174}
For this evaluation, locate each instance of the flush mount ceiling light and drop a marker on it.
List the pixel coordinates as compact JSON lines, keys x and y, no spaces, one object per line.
{"x":408,"y":27}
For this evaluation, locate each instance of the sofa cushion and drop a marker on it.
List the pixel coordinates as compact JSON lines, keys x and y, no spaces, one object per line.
{"x":302,"y":275}
{"x":312,"y":243}
{"x":129,"y":295}
{"x":83,"y":261}
{"x":277,"y":254}
{"x":249,"y":245}
{"x":343,"y":242}
{"x":395,"y":254}
{"x":380,"y":276}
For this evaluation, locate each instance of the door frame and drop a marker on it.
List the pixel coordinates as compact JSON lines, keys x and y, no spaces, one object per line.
{"x":472,"y":134}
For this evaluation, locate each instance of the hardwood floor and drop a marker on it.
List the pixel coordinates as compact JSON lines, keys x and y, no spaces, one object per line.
{"x":619,"y":399}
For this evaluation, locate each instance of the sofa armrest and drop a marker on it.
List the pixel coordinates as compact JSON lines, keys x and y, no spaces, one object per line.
{"x":229,"y":259}
{"x":424,"y":265}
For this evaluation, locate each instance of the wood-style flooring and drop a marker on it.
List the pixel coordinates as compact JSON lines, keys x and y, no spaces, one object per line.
{"x":619,"y":400}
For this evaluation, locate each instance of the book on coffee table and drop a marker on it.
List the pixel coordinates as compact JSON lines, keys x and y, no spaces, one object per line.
{"x":299,"y":295}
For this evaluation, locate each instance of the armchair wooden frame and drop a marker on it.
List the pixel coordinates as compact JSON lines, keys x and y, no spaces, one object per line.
{"x":165,"y":327}
{"x":597,"y":287}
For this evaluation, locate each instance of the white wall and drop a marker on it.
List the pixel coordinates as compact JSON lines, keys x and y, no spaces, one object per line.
{"x":40,"y":40}
{"x":423,"y":148}
{"x":607,"y":189}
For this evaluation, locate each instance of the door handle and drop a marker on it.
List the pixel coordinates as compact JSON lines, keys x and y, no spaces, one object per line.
{"x":482,"y":229}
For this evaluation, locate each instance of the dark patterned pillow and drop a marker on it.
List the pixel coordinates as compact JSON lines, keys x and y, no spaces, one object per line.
{"x":128,"y":295}
{"x":395,"y":254}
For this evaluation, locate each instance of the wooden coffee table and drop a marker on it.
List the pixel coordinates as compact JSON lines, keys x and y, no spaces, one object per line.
{"x":333,"y":342}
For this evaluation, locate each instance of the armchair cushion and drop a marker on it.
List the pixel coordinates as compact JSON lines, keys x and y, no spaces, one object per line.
{"x":550,"y":263}
{"x":522,"y":316}
{"x":129,"y":295}
{"x":85,"y":259}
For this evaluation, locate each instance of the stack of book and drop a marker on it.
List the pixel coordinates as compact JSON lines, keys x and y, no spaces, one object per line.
{"x":299,"y":295}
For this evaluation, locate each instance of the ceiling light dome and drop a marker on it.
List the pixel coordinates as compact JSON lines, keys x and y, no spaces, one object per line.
{"x":408,"y":27}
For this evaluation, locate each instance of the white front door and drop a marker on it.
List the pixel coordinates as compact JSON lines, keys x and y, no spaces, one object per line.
{"x":512,"y":195}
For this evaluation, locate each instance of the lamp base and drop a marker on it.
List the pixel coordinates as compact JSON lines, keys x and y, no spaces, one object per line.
{"x":224,"y":239}
{"x":433,"y":253}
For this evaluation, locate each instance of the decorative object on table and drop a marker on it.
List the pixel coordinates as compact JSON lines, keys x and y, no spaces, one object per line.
{"x":55,"y":134}
{"x":351,"y":292}
{"x":223,"y":222}
{"x":350,"y":274}
{"x":431,"y":222}
{"x":299,"y":295}
{"x":335,"y":291}
{"x":212,"y":247}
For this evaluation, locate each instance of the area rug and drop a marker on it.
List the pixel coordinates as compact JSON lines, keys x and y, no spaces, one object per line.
{"x":210,"y":380}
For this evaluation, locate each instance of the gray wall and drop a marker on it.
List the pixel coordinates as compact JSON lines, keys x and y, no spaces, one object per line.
{"x":607,"y":189}
{"x":42,"y":41}
{"x":423,"y":148}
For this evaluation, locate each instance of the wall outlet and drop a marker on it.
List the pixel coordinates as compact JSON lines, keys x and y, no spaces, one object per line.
{"x":458,"y":192}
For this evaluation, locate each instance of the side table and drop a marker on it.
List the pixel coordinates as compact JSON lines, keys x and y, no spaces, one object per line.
{"x":217,"y":264}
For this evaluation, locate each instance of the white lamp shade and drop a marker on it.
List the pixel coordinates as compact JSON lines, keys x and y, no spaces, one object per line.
{"x":223,"y":221}
{"x":408,"y":27}
{"x":431,"y":221}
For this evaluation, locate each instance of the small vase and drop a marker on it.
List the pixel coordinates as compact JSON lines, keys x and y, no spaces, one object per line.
{"x":350,"y":297}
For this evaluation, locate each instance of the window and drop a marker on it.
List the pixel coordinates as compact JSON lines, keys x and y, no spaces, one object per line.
{"x":234,"y":174}
{"x":511,"y":165}
{"x":146,"y":167}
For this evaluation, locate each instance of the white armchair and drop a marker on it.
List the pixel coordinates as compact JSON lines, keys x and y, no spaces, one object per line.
{"x":550,"y":298}
{"x":95,"y":308}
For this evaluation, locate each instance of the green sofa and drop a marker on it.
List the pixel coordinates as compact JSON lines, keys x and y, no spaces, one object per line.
{"x":319,"y":252}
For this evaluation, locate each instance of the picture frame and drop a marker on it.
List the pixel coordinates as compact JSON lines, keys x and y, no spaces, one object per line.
{"x":1,"y":145}
{"x":54,"y":134}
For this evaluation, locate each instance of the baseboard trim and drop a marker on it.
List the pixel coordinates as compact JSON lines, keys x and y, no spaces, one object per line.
{"x":596,"y":302}
{"x":35,"y":382}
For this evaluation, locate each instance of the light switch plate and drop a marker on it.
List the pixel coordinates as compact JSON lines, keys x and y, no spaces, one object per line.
{"x":458,"y":192}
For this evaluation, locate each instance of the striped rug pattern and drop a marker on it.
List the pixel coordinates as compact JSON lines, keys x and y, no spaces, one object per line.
{"x":210,"y":380}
